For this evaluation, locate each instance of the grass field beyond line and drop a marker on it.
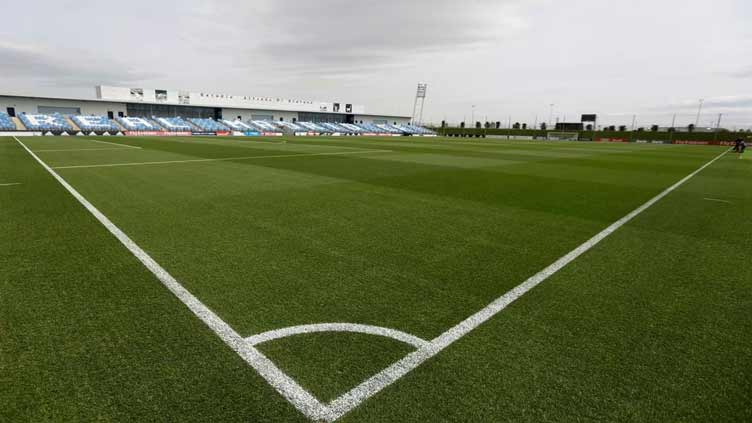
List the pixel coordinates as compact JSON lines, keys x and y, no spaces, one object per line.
{"x":412,"y":235}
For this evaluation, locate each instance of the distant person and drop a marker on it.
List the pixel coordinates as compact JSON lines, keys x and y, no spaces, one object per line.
{"x":737,"y":144}
{"x":742,"y":148}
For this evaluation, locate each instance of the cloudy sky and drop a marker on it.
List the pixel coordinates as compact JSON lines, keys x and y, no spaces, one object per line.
{"x":511,"y":59}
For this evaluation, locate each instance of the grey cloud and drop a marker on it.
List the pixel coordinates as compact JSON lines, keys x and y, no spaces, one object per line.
{"x":328,"y":35}
{"x":64,"y":68}
{"x":743,"y":73}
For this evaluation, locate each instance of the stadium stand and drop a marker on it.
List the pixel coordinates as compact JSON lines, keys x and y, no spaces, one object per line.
{"x":336,"y":128}
{"x":39,"y":122}
{"x":291,"y":127}
{"x":208,"y":124}
{"x":95,"y":123}
{"x":238,"y":125}
{"x":372,"y":129}
{"x":264,"y":126}
{"x":6,"y":123}
{"x":173,"y":124}
{"x":314,"y":127}
{"x":137,"y":124}
{"x":355,"y":129}
{"x":416,"y":129}
{"x":389,"y":128}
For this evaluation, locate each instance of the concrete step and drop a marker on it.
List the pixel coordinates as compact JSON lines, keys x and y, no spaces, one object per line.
{"x":19,"y":126}
{"x":72,"y":124}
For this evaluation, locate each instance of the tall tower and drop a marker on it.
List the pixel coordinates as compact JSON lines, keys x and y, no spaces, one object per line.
{"x":420,"y":98}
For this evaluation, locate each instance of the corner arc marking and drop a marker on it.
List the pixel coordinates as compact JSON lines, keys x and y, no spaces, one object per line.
{"x":337,"y":327}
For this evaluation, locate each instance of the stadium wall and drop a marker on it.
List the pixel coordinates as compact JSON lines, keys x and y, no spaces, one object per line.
{"x":247,"y":114}
{"x":31,"y":105}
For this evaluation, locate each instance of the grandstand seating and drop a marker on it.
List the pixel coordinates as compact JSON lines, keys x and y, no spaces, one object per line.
{"x":137,"y":124}
{"x":209,"y":124}
{"x":264,"y":126}
{"x":6,"y":123}
{"x":173,"y":124}
{"x":95,"y":123}
{"x":238,"y":125}
{"x":315,"y":127}
{"x":355,"y":129}
{"x":336,"y":128}
{"x":418,"y":130}
{"x":389,"y":128}
{"x":291,"y":126}
{"x":372,"y":129}
{"x":40,"y":122}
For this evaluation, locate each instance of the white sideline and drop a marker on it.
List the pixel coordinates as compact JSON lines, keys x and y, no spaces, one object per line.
{"x":223,"y":159}
{"x":717,"y":200}
{"x":10,"y":184}
{"x":386,"y":377}
{"x":114,"y":143}
{"x":301,"y":399}
{"x":337,"y":327}
{"x":81,"y":149}
{"x":287,"y":387}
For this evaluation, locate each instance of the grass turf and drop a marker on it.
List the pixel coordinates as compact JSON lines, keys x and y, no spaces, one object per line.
{"x":651,"y":325}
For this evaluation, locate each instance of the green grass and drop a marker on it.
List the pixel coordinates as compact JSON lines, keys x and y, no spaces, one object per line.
{"x":650,"y":325}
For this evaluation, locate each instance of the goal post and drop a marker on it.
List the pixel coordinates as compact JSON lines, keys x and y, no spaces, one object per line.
{"x":563,"y":136}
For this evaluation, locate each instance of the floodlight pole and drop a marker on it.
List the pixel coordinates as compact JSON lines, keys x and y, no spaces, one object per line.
{"x":718,"y":127}
{"x":420,"y":97}
{"x":699,"y":112}
{"x":672,"y":129}
{"x":473,"y":116}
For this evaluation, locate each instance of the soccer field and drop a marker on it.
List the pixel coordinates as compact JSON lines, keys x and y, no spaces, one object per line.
{"x":373,"y":280}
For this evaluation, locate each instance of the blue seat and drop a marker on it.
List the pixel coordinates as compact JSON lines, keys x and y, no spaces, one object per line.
{"x":208,"y":124}
{"x":138,"y":124}
{"x":95,"y":123}
{"x":173,"y":124}
{"x":6,"y":123}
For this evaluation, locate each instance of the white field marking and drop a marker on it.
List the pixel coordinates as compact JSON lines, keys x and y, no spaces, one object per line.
{"x":717,"y":200}
{"x":291,"y":390}
{"x":277,"y":156}
{"x":81,"y":149}
{"x":114,"y":143}
{"x":10,"y":184}
{"x":286,"y":386}
{"x":338,"y":327}
{"x":386,"y":377}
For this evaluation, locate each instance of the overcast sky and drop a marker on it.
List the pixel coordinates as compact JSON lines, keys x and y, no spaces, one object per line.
{"x":509,"y":58}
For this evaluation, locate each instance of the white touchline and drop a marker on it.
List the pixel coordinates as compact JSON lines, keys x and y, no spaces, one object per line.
{"x":83,"y":149}
{"x":223,"y":159}
{"x":114,"y":143}
{"x":718,"y":200}
{"x":301,"y":399}
{"x":10,"y":184}
{"x":286,"y":386}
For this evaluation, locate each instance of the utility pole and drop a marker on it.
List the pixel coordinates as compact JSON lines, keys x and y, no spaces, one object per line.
{"x":473,"y":116}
